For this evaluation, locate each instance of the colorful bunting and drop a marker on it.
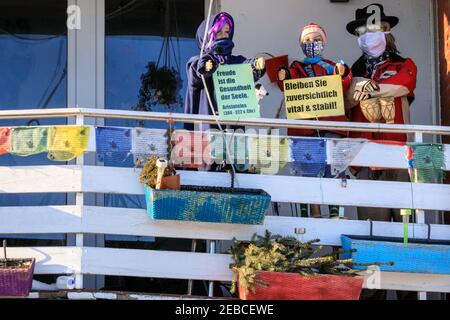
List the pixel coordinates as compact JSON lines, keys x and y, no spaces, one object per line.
{"x":254,"y":153}
{"x":310,"y":157}
{"x":150,"y":142}
{"x":191,"y":149}
{"x":5,"y":140}
{"x":268,"y":154}
{"x":113,"y":144}
{"x":67,"y":143}
{"x":237,"y":145}
{"x":340,"y":153}
{"x":29,"y":141}
{"x":409,"y":155}
{"x":428,"y":162}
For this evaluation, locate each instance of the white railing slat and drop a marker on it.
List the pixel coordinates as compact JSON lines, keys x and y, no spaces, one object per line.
{"x":318,"y":191}
{"x":199,"y":266}
{"x":135,"y":222}
{"x":51,"y":260}
{"x":40,"y":179}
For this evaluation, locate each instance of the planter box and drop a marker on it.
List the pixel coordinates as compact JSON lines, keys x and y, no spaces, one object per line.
{"x":418,"y":256}
{"x":16,"y":281}
{"x":206,"y":204}
{"x":292,"y":286}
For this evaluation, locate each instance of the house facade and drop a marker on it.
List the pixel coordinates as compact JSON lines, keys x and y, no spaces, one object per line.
{"x":93,"y":54}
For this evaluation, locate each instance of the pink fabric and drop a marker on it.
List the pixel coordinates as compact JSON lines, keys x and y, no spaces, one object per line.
{"x":313,"y":27}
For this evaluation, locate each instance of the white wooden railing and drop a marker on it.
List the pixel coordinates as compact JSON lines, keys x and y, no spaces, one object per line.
{"x":81,"y":219}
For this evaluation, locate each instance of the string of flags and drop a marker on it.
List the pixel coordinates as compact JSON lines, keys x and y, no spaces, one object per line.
{"x":426,"y":162}
{"x":265,"y":154}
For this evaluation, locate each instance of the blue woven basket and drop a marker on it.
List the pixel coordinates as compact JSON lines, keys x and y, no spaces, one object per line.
{"x":417,"y":256}
{"x":208,"y":204}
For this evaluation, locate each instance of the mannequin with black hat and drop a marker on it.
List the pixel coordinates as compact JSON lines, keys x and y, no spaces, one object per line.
{"x":384,"y":82}
{"x":382,"y":90}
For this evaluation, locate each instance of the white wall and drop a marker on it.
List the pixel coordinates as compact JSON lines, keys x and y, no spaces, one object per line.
{"x":273,"y":26}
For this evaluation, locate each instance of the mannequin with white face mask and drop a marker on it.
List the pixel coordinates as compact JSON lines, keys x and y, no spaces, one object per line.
{"x":373,"y":43}
{"x":381,"y":92}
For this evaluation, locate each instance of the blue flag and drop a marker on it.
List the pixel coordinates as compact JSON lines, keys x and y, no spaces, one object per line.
{"x":310,"y":157}
{"x":113,"y":144}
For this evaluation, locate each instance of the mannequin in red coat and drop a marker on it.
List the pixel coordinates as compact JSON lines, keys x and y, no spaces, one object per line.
{"x":313,"y":40}
{"x":380,"y":74}
{"x":382,"y":80}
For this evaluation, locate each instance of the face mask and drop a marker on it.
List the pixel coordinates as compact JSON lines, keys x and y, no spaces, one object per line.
{"x":313,"y":49}
{"x":373,"y":43}
{"x":222,"y":47}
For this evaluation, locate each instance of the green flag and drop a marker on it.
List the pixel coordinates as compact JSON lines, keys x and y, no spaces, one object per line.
{"x":28,"y":141}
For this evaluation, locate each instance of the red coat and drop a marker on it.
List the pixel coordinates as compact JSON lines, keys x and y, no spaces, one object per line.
{"x":297,"y":71}
{"x":397,"y":78}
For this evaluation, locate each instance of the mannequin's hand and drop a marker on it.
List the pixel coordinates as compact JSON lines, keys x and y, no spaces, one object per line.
{"x":209,"y":65}
{"x":367,"y":86}
{"x":340,"y":69}
{"x":282,"y":75}
{"x":260,"y":64}
{"x":361,"y":96}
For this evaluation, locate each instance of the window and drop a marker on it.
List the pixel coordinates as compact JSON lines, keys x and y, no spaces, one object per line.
{"x":139,"y":32}
{"x":33,"y":64}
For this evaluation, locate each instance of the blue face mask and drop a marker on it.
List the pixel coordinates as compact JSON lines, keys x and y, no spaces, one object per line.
{"x":313,"y":49}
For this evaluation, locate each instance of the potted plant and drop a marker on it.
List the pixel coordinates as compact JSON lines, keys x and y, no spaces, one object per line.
{"x":16,"y":276}
{"x":149,"y":175}
{"x":278,"y":268}
{"x":159,"y":85}
{"x":201,"y":203}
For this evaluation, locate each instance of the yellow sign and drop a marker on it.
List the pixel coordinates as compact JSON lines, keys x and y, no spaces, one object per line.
{"x":316,"y":97}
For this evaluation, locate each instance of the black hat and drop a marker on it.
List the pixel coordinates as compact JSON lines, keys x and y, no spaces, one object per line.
{"x":362,"y":15}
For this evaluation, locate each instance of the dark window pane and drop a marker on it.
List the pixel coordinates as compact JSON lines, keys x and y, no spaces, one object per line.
{"x":135,"y":36}
{"x":33,"y":62}
{"x":33,"y":54}
{"x":136,"y":32}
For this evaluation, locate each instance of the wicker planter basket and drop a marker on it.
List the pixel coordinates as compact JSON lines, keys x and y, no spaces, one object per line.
{"x":417,"y":256}
{"x":292,"y":286}
{"x":16,"y":277}
{"x":208,"y":204}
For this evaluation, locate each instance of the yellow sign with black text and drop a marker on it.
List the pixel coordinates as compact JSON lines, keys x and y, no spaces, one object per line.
{"x":316,"y":97}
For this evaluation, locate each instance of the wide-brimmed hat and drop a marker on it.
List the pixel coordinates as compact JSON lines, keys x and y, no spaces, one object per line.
{"x":362,"y":15}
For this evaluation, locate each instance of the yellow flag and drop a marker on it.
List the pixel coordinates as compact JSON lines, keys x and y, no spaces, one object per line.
{"x":268,"y":154}
{"x":67,"y":143}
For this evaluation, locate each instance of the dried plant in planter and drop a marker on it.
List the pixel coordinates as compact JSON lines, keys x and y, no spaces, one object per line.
{"x":149,"y":172}
{"x":273,"y":253}
{"x":15,"y":264}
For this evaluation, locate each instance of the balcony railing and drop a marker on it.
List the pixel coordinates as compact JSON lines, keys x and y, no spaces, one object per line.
{"x":79,"y":218}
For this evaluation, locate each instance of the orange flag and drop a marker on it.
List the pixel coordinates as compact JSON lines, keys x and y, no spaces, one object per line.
{"x":5,"y":140}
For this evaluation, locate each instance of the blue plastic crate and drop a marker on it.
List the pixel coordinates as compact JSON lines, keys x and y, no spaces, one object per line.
{"x":417,"y":256}
{"x":207,"y":204}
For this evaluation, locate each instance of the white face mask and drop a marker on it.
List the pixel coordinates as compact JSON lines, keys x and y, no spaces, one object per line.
{"x":373,"y":43}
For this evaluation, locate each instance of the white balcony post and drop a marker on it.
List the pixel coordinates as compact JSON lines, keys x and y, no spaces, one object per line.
{"x":86,"y":52}
{"x":79,"y":201}
{"x":212,"y":250}
{"x":420,"y":214}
